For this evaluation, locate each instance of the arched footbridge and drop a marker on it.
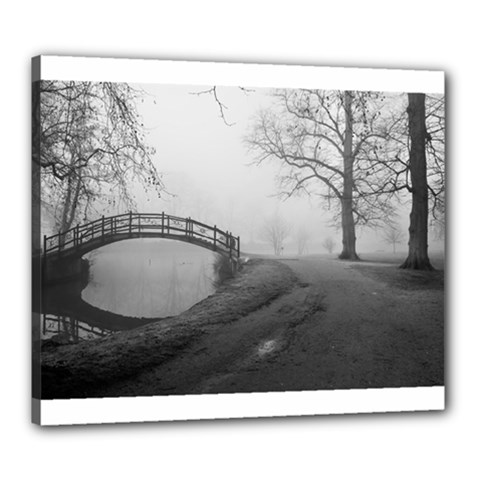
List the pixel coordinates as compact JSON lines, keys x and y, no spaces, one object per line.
{"x":76,"y":242}
{"x":84,"y":238}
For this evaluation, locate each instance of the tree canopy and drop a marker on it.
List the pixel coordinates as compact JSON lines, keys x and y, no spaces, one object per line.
{"x":89,"y":143}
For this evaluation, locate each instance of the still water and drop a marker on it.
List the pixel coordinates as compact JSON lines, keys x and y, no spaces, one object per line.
{"x":149,"y":278}
{"x":131,"y":283}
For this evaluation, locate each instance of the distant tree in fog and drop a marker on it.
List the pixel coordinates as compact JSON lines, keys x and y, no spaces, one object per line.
{"x":393,"y":235}
{"x":438,"y":229}
{"x":275,"y":231}
{"x":302,"y":240}
{"x":328,"y":244}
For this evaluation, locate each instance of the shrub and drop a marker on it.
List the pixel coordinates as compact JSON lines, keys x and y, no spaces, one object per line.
{"x":223,"y":269}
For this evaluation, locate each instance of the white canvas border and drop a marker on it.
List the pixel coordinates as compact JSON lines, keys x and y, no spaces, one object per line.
{"x":240,"y":405}
{"x":239,"y":74}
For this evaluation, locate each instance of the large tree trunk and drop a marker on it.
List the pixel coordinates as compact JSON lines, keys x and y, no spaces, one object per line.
{"x":348,"y":224}
{"x":348,"y":232}
{"x":418,"y":231}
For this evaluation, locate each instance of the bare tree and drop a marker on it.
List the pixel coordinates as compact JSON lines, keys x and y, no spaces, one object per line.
{"x":326,"y":138}
{"x":275,"y":230}
{"x":328,"y":244}
{"x":393,"y":235}
{"x":435,"y":151}
{"x":89,"y":145}
{"x":303,"y":237}
{"x":222,"y":108}
{"x":438,"y":228}
{"x":388,"y":170}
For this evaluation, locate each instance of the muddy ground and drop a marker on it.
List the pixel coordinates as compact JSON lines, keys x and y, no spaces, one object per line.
{"x":280,"y":325}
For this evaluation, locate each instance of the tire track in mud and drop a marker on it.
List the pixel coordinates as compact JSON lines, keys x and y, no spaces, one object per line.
{"x":281,"y":320}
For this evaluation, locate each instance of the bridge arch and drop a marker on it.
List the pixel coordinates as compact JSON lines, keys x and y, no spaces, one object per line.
{"x":63,"y":251}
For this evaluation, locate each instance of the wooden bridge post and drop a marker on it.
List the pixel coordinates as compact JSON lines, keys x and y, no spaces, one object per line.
{"x":214,"y":237}
{"x":163,"y":222}
{"x":238,"y":246}
{"x":130,"y":224}
{"x":76,"y":324}
{"x":44,"y":245}
{"x":103,"y":228}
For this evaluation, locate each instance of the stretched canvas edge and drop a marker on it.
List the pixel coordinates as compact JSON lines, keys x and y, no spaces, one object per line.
{"x":239,"y":405}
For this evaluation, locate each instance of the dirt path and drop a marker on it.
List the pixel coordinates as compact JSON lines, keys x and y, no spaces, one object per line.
{"x":343,"y":325}
{"x":84,"y":369}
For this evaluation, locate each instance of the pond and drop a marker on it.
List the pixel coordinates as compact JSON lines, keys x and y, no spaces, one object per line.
{"x":130,"y":283}
{"x":149,"y":278}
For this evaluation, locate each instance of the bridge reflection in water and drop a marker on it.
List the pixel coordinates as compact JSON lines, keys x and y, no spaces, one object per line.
{"x":131,"y":283}
{"x":63,"y":329}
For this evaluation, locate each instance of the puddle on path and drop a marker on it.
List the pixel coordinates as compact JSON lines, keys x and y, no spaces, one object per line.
{"x":267,"y":347}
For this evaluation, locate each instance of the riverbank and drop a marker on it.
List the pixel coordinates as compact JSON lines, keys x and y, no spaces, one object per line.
{"x":79,"y":370}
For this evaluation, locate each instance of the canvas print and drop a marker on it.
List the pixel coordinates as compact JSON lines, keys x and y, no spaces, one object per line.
{"x":194,"y":240}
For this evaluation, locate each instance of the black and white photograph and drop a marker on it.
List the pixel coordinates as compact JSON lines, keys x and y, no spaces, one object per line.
{"x":194,"y":239}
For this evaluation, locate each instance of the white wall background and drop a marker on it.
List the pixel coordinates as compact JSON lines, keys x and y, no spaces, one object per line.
{"x":408,"y":34}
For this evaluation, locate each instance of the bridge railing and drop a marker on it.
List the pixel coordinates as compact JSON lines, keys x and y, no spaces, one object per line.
{"x":130,"y":225}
